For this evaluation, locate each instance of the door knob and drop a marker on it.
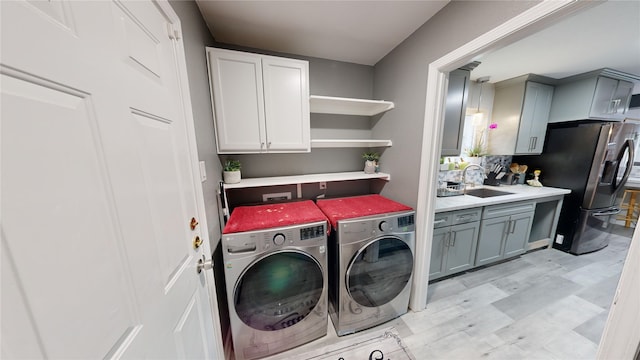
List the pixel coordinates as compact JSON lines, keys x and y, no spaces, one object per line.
{"x":204,"y":265}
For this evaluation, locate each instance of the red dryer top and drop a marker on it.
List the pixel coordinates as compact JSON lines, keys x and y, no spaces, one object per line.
{"x":259,"y":217}
{"x":358,"y":206}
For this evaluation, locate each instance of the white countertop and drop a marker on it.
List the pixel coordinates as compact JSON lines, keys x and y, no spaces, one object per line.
{"x":519,"y":193}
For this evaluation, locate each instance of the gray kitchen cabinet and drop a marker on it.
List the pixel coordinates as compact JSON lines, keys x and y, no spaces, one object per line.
{"x":521,"y":109}
{"x":601,"y":95}
{"x":455,"y":110}
{"x":455,"y":238}
{"x":261,"y":103}
{"x":504,"y":231}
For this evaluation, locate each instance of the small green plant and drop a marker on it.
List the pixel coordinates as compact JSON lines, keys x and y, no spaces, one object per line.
{"x":371,"y":156}
{"x":232,"y":165}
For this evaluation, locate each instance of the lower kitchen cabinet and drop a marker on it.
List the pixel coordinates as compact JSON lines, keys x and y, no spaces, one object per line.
{"x":455,"y":237}
{"x":504,"y":231}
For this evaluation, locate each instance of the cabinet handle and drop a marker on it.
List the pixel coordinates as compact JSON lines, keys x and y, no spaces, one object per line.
{"x":530,"y":143}
{"x":440,"y":221}
{"x":447,"y":239}
{"x":269,"y":145}
{"x":453,"y":243}
{"x":512,"y":226}
{"x":535,"y":142}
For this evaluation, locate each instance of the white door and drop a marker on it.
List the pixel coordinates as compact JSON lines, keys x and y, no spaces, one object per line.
{"x":98,"y":186}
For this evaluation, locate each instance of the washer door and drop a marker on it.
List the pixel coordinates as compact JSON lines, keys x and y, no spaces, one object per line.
{"x":379,"y":272}
{"x":278,"y":290}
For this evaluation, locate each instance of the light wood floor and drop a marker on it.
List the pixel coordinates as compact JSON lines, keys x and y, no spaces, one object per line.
{"x":545,"y":304}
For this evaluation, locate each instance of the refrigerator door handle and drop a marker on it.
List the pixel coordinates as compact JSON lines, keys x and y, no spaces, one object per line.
{"x":628,"y":144}
{"x":613,"y":211}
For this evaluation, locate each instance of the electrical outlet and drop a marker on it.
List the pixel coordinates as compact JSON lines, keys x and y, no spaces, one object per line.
{"x":559,"y":239}
{"x":276,"y":196}
{"x":323,"y":185}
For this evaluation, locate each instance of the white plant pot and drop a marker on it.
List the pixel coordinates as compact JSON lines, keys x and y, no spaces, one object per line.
{"x":231,"y":177}
{"x":369,"y":167}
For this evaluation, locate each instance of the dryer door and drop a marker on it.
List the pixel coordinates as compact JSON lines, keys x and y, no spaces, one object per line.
{"x":278,"y":290}
{"x":379,"y":271}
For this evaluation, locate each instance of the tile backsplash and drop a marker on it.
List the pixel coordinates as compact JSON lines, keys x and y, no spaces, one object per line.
{"x":476,"y":176}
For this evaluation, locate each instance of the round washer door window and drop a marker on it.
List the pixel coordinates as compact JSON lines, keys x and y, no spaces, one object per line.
{"x":379,"y":272}
{"x":278,"y":291}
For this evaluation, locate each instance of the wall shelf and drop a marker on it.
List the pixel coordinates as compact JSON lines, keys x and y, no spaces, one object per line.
{"x":305,"y":179}
{"x":348,"y":106}
{"x":348,"y":143}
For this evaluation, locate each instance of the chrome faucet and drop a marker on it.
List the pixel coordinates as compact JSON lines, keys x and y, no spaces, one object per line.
{"x":464,"y":173}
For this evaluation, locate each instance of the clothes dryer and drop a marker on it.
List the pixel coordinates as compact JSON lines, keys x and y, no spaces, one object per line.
{"x":275,"y":261}
{"x":370,"y":260}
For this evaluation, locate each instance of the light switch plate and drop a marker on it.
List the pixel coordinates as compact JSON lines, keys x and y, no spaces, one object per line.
{"x":203,"y":172}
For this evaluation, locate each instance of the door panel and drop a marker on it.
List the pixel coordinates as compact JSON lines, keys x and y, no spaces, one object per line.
{"x":462,"y":249}
{"x":492,"y":232}
{"x":97,"y":187}
{"x":286,"y":97}
{"x":438,"y":252}
{"x":518,"y":234}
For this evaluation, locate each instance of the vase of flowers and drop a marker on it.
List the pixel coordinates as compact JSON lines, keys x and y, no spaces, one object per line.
{"x":479,"y":144}
{"x":370,"y":162}
{"x":231,"y":172}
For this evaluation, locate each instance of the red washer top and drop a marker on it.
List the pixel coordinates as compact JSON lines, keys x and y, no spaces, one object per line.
{"x":259,"y":217}
{"x":358,"y":206}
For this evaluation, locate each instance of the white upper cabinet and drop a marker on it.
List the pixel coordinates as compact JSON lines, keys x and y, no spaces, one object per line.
{"x":261,"y":103}
{"x":600,"y":95}
{"x":521,"y":110}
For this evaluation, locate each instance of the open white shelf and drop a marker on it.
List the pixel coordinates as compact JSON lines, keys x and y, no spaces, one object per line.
{"x":348,"y":143}
{"x":305,"y":179}
{"x":347,"y":106}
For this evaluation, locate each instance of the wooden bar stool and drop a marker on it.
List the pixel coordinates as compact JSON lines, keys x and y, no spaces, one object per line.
{"x":632,"y":207}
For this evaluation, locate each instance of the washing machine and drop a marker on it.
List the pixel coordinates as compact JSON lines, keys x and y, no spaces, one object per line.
{"x":371,"y":252}
{"x":275,"y":264}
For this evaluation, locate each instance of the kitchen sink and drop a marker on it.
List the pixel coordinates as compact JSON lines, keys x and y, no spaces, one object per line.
{"x":485,"y":193}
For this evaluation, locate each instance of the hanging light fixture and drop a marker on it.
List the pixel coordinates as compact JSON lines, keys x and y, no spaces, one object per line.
{"x":478,"y":116}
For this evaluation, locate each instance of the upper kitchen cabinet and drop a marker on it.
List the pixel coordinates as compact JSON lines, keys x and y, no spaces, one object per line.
{"x":261,"y":103}
{"x":455,"y":111}
{"x":601,"y":95}
{"x":521,"y":109}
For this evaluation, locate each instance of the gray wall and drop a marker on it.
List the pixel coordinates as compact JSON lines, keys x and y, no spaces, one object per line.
{"x":196,"y":36}
{"x":401,"y":76}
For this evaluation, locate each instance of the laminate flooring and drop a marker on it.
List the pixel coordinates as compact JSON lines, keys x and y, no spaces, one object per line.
{"x":545,"y":304}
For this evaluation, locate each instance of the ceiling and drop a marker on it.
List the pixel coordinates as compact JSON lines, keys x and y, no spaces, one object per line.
{"x":360,"y":32}
{"x":363,"y":32}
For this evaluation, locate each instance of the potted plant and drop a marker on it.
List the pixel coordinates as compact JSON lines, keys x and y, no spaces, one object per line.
{"x":370,"y":162}
{"x":231,"y":173}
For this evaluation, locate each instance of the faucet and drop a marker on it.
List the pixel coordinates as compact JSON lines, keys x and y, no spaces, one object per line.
{"x":464,"y":173}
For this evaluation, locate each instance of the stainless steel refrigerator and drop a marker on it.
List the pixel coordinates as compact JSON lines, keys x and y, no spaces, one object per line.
{"x":593,"y":159}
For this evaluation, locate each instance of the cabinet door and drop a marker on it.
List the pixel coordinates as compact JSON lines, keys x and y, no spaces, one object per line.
{"x":455,"y":109}
{"x":519,"y":227}
{"x":438,"y":252}
{"x":534,"y":118}
{"x":286,"y":102}
{"x":236,"y":82}
{"x":621,"y":98}
{"x":461,"y":252}
{"x":602,"y":105}
{"x":490,"y":240}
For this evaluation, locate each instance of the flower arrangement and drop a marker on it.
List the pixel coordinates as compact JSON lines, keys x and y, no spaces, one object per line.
{"x":371,"y":156}
{"x":479,"y":144}
{"x":232,"y":165}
